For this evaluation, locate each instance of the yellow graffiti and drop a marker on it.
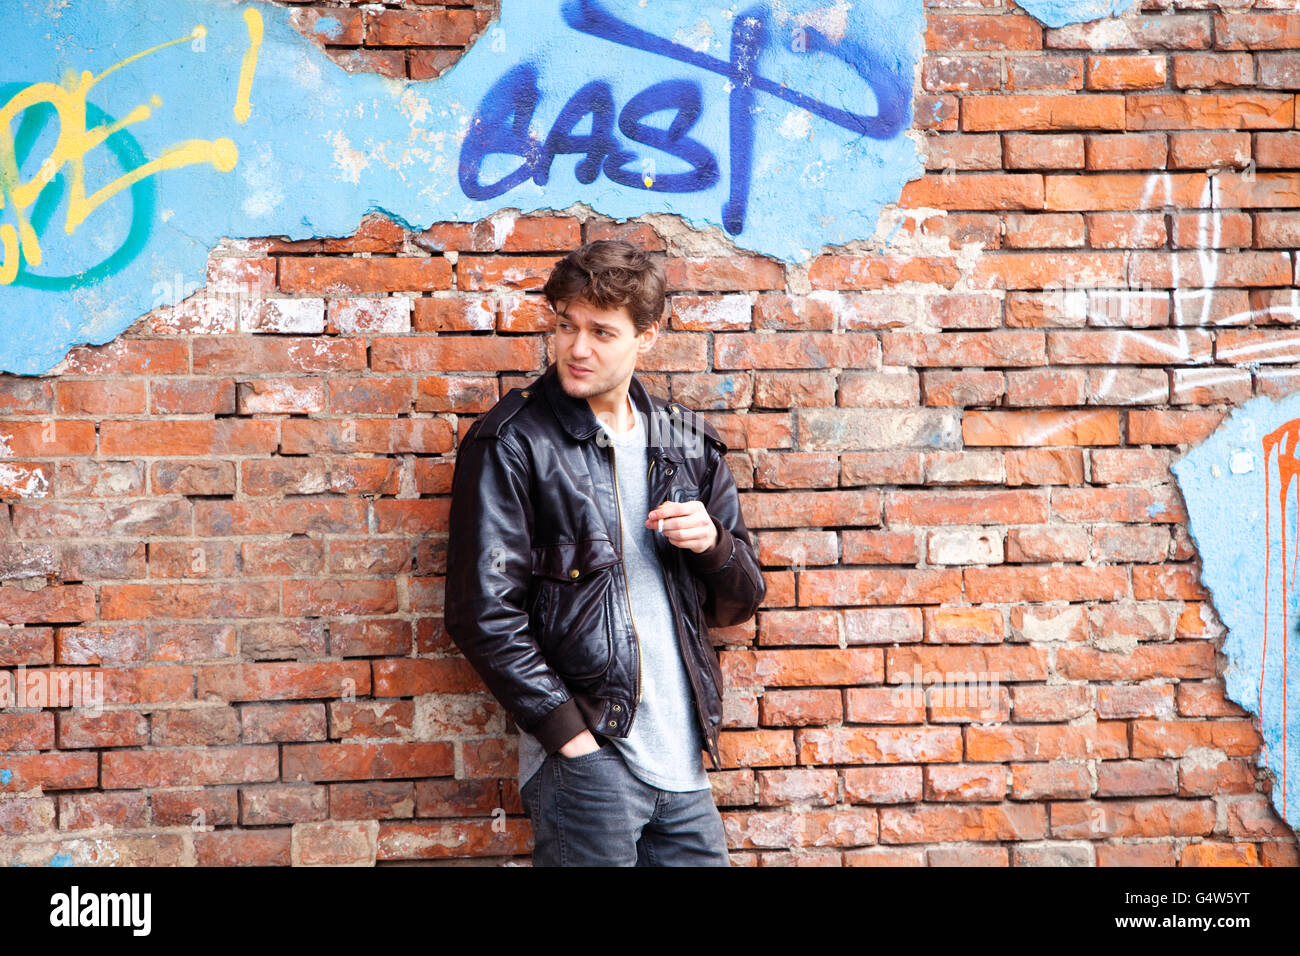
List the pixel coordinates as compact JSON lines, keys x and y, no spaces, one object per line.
{"x":75,"y":141}
{"x":243,"y":110}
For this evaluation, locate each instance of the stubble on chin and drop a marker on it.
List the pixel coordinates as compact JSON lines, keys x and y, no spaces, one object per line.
{"x":580,"y":389}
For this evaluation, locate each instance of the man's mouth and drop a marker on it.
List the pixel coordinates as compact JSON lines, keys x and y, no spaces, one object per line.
{"x":579,"y":370}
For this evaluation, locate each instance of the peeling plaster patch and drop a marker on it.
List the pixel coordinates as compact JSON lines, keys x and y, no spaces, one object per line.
{"x":832,"y":20}
{"x":796,"y":125}
{"x":351,"y":161}
{"x":1053,"y":624}
{"x":698,"y":38}
{"x":718,"y":312}
{"x":303,"y":316}
{"x":503,"y":224}
{"x":391,"y":314}
{"x":25,"y":483}
{"x":416,"y":107}
{"x":1203,"y":758}
{"x":1124,"y":644}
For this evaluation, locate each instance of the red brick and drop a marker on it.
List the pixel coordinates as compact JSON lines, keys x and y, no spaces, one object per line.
{"x":200,"y":766}
{"x":261,"y":847}
{"x":1044,"y":231}
{"x":1165,"y":31}
{"x":975,"y":32}
{"x":857,"y":745}
{"x":926,"y":824}
{"x":957,"y":191}
{"x":366,"y":761}
{"x":1044,"y":73}
{"x":1253,"y":110}
{"x":963,"y":151}
{"x":1201,"y":71}
{"x":1119,"y":151}
{"x":350,"y":276}
{"x":1125,"y":72}
{"x":1276,"y":150}
{"x":1041,"y":428}
{"x":1048,"y":112}
{"x":1010,"y":583}
{"x":407,"y":28}
{"x":95,"y":397}
{"x":1119,"y":230}
{"x":1132,"y":818}
{"x":1256,"y":31}
{"x":1203,"y":150}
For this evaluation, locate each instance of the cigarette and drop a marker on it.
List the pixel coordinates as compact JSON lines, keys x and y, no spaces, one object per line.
{"x":661,"y":525}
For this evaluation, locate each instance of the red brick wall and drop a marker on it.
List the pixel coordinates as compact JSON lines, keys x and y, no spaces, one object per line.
{"x":243,"y":527}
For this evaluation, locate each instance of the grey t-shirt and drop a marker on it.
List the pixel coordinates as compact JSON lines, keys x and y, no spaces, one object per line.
{"x":665,"y":746}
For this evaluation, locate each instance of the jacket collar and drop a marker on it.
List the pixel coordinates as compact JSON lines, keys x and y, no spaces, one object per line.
{"x":576,"y":416}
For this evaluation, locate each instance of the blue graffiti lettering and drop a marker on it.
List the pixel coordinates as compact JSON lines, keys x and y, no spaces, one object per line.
{"x":686,"y":100}
{"x":501,"y":124}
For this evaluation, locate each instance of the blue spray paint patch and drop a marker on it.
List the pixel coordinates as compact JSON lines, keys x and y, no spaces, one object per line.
{"x":6,"y":776}
{"x":1236,"y":485}
{"x":328,"y":26}
{"x":60,"y":859}
{"x":1058,"y":13}
{"x":781,"y":123}
{"x":1156,"y":508}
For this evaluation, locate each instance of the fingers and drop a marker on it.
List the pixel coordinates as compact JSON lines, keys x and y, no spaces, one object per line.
{"x":674,"y":509}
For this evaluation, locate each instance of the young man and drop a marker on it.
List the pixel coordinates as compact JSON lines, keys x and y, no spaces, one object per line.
{"x":595,"y":535}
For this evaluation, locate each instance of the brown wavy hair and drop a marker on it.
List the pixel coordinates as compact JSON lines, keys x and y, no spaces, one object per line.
{"x":610,"y":273}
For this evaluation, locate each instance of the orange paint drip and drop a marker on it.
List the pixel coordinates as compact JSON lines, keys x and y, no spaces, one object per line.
{"x":1284,"y":440}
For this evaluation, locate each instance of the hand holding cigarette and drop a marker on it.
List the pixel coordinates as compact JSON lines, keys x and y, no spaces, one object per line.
{"x":686,"y":524}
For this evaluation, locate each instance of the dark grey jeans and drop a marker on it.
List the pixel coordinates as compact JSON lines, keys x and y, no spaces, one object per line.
{"x":592,"y":811}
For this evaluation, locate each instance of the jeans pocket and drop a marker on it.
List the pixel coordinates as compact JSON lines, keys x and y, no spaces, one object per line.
{"x":604,"y":748}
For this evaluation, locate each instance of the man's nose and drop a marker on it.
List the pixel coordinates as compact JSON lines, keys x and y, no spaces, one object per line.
{"x":581,"y":345}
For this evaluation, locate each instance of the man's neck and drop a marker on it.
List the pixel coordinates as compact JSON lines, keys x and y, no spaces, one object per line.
{"x":619,"y":421}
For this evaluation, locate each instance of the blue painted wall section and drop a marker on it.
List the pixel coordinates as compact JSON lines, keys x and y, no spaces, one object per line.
{"x":137,"y":135}
{"x":1242,"y":489}
{"x":1059,"y":13}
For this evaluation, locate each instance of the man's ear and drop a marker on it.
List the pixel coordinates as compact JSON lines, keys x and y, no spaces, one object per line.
{"x":648,"y":337}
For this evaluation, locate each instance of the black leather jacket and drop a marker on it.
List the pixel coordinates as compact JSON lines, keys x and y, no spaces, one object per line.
{"x":536,"y":593}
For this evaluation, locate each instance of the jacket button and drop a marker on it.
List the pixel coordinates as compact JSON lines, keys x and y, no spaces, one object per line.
{"x":613,"y":723}
{"x":573,"y":572}
{"x":616,"y":708}
{"x":523,"y":394}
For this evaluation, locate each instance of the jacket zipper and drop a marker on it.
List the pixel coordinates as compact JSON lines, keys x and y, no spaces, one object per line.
{"x":619,"y":505}
{"x":677,"y":626}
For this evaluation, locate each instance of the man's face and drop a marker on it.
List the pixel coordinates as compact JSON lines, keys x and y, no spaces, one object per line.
{"x":596,"y":349}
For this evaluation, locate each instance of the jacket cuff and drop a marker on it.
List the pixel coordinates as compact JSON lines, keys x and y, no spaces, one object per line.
{"x":716,"y":556}
{"x":560,"y":726}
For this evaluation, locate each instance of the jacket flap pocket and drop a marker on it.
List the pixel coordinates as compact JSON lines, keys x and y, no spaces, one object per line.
{"x":686,"y":494}
{"x":574,"y":560}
